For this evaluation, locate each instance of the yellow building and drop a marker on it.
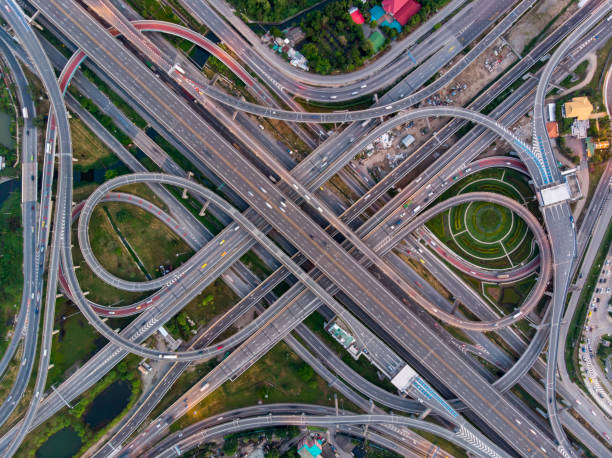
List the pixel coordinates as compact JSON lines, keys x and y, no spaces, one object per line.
{"x":579,"y":108}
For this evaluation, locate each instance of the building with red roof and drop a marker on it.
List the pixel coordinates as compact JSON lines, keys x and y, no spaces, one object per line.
{"x":401,"y":10}
{"x":356,"y":15}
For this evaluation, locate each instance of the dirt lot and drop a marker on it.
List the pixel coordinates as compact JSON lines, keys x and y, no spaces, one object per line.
{"x":483,"y":70}
{"x":488,"y":67}
{"x":535,"y":21}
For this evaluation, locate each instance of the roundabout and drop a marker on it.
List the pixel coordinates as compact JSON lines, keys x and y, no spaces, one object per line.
{"x":484,"y":234}
{"x":487,"y":222}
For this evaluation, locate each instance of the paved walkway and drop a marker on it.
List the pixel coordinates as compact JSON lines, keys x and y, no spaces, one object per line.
{"x":592,"y":60}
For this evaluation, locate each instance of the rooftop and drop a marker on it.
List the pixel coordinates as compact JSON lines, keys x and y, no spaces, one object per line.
{"x":555,"y":194}
{"x":309,"y":447}
{"x":402,"y":10}
{"x":404,"y":378}
{"x":579,"y":108}
{"x":356,"y":15}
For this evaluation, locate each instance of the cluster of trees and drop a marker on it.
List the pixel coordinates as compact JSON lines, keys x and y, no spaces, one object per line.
{"x":219,"y":67}
{"x":11,"y":276}
{"x":271,"y":10}
{"x":602,"y":134}
{"x":334,"y":41}
{"x":179,"y":326}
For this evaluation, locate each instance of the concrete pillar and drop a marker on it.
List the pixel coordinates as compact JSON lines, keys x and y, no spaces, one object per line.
{"x":204,"y":207}
{"x":424,"y":414}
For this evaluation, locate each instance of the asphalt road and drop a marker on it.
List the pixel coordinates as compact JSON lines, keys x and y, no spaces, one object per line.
{"x":113,"y":54}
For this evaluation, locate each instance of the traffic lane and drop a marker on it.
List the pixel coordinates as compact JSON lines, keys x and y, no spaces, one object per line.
{"x":249,"y":177}
{"x":551,"y":64}
{"x":388,"y":109}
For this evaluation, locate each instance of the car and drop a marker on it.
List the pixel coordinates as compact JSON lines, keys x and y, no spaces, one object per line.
{"x":607,"y":290}
{"x":261,"y":127}
{"x":354,"y":92}
{"x":263,"y":190}
{"x":222,"y":242}
{"x":268,"y":205}
{"x":219,"y":347}
{"x":32,"y":177}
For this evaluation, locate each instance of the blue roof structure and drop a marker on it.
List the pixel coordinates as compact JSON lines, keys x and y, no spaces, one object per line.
{"x":377,"y":12}
{"x":394,"y":25}
{"x":314,"y":449}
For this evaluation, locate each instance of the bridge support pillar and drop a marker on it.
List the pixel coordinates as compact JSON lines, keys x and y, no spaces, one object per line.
{"x":204,"y":207}
{"x":33,"y":16}
{"x":455,"y":305}
{"x":336,"y":403}
{"x":423,"y":415}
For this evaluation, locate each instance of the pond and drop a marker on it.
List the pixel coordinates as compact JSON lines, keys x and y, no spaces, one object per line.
{"x":63,"y":444}
{"x":6,"y":138}
{"x":108,"y":404}
{"x":198,"y":55}
{"x":8,"y":187}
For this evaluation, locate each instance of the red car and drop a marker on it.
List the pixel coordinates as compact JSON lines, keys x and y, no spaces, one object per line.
{"x":219,"y":347}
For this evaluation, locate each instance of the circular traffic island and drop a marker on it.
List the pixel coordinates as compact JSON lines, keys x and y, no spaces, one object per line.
{"x":487,"y":222}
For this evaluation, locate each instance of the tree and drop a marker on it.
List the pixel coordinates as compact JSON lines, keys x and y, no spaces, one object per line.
{"x":305,"y":372}
{"x":230,"y":445}
{"x":39,"y":121}
{"x":122,"y":368}
{"x":123,"y":215}
{"x":110,"y":174}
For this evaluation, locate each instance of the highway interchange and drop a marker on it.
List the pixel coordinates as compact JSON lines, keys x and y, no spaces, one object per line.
{"x":287,"y":206}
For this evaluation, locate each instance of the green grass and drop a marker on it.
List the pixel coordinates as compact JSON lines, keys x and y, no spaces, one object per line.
{"x":87,"y":148}
{"x":487,"y":221}
{"x":113,"y":257}
{"x":75,"y":343}
{"x":256,"y":265}
{"x":513,"y":295}
{"x":11,"y":260}
{"x":280,"y":374}
{"x":214,"y":300}
{"x":573,"y":334}
{"x":126,"y":370}
{"x":151,"y":239}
